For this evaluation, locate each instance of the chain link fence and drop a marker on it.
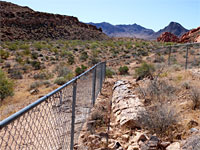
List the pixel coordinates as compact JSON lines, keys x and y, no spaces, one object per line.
{"x":54,"y":121}
{"x":184,"y":56}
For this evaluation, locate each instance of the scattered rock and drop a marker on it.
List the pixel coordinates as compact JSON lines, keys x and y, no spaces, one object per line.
{"x":194,"y":130}
{"x":192,"y":124}
{"x":174,"y":146}
{"x":34,"y":91}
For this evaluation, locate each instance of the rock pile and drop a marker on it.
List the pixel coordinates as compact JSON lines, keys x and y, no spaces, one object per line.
{"x":167,"y":37}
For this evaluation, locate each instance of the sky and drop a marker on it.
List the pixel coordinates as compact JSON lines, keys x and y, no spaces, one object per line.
{"x":152,"y":14}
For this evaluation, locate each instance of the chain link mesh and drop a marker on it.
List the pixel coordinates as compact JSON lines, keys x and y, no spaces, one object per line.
{"x":47,"y":126}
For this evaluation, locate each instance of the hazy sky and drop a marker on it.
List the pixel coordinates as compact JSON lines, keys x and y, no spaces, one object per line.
{"x":154,"y":14}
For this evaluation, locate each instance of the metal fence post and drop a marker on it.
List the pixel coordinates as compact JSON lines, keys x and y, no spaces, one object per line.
{"x":93,"y":86}
{"x":104,"y":70}
{"x":73,"y":114}
{"x":61,"y":97}
{"x":169,"y":57}
{"x":101,"y":77}
{"x":186,"y":58}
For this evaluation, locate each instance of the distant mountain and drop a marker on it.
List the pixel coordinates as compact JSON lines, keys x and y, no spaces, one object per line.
{"x":174,"y":28}
{"x":23,"y":23}
{"x":138,"y":31}
{"x":133,"y":30}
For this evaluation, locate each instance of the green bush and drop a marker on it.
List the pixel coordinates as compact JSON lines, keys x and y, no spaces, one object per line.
{"x":60,"y":80}
{"x":62,"y":71}
{"x":4,"y":54}
{"x":36,"y":65}
{"x":44,"y":75}
{"x":144,"y":70}
{"x":109,"y":73}
{"x":80,"y":70}
{"x":6,"y":86}
{"x":84,"y":56}
{"x":123,"y":70}
{"x":13,"y":46}
{"x":70,"y":58}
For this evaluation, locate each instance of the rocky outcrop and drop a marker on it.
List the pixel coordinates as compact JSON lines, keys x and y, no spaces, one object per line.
{"x":23,"y":23}
{"x":125,"y":105}
{"x":167,"y":37}
{"x":191,"y":36}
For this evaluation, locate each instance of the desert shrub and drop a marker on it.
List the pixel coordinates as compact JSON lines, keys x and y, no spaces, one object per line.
{"x":160,"y":119}
{"x":70,"y":58}
{"x":24,"y":46}
{"x":44,"y":75}
{"x":60,"y":81}
{"x":38,"y":45}
{"x":6,"y":86}
{"x":159,"y":59}
{"x":80,"y":70}
{"x":19,"y":59}
{"x":84,"y":56}
{"x":12,"y":46}
{"x":144,"y":70}
{"x":69,"y":76}
{"x":159,"y":90}
{"x":34,"y":55}
{"x":35,"y":85}
{"x":15,"y":73}
{"x":98,"y":118}
{"x":4,"y":54}
{"x":195,"y":96}
{"x":26,"y":52}
{"x":186,"y":85}
{"x":123,"y":70}
{"x":93,"y":61}
{"x":62,"y":71}
{"x":36,"y":65}
{"x":109,"y":72}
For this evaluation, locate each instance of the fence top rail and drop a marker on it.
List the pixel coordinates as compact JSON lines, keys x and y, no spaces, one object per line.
{"x":177,"y":45}
{"x":24,"y":110}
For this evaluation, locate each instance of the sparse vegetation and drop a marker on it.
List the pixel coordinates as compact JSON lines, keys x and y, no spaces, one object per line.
{"x":160,"y":119}
{"x":60,"y":80}
{"x":80,"y":70}
{"x":195,"y":96}
{"x":6,"y":86}
{"x":144,"y":70}
{"x":123,"y":70}
{"x":109,"y":73}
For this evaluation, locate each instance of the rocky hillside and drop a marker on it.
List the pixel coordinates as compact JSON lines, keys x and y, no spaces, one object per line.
{"x":24,"y":23}
{"x":139,"y":31}
{"x":191,"y":36}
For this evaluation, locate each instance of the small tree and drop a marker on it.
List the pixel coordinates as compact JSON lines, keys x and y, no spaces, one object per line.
{"x":6,"y":86}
